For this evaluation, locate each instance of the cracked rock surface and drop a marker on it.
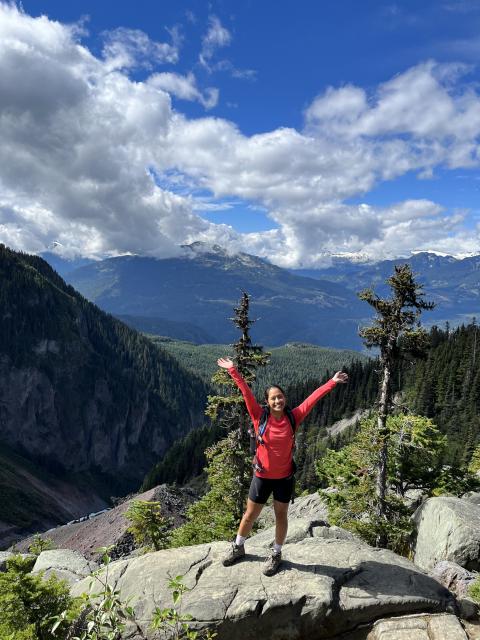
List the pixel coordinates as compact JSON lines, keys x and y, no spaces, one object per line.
{"x":448,"y":529}
{"x":326,"y":586}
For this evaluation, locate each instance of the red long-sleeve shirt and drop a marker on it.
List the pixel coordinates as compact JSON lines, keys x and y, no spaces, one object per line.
{"x":276,"y":452}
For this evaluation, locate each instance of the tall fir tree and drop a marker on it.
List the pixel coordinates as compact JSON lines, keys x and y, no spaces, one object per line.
{"x":216,"y":515}
{"x":396,"y":332}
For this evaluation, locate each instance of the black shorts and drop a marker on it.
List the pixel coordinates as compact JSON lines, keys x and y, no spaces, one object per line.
{"x":261,"y":488}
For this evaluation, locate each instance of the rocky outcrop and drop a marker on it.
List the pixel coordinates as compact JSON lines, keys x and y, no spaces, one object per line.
{"x":420,"y":627}
{"x":458,"y":580}
{"x":311,"y":506}
{"x":454,"y":577}
{"x":65,"y":564}
{"x":473,"y":497}
{"x":326,"y":586}
{"x":448,"y":529}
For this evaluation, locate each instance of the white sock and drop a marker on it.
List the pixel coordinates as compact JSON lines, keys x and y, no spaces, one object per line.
{"x":277,"y":547}
{"x":239,"y":540}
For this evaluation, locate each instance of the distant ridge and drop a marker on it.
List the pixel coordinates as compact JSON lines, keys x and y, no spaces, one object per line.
{"x":453,"y":283}
{"x":203,"y":286}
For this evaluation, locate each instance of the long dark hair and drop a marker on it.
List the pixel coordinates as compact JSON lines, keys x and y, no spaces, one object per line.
{"x":273,"y":386}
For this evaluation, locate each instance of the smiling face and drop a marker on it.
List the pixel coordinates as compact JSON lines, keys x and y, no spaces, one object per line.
{"x":276,"y":401}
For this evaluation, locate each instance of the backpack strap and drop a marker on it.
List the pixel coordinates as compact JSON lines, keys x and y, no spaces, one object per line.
{"x":291,"y":419}
{"x":262,"y":425}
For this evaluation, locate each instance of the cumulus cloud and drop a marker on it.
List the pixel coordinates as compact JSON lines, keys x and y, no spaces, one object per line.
{"x":426,"y":105}
{"x":104,"y":165}
{"x":185,"y":88}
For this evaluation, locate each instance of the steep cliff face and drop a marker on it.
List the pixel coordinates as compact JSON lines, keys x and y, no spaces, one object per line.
{"x":80,"y":391}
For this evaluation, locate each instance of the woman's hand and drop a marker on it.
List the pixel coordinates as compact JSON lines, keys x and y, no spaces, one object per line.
{"x":225,"y":363}
{"x":340,"y":377}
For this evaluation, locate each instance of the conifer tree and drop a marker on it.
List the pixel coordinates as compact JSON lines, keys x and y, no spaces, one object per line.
{"x":474,"y":466}
{"x":414,"y":462}
{"x":396,"y":331}
{"x":217,"y":514}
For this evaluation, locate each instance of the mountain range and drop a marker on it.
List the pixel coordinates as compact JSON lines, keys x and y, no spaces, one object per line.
{"x":191,"y":297}
{"x":452,"y":283}
{"x":202,"y":288}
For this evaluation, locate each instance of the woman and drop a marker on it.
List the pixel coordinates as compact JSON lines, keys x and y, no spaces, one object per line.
{"x":274,"y":460}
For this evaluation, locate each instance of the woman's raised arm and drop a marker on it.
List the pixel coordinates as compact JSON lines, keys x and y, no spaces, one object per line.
{"x":254,"y":409}
{"x":302,"y":411}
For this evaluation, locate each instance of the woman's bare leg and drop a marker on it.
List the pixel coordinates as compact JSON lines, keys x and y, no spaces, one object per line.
{"x":252,"y":512}
{"x":281,"y":521}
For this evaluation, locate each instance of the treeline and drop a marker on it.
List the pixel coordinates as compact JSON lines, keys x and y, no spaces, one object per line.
{"x":446,"y":388}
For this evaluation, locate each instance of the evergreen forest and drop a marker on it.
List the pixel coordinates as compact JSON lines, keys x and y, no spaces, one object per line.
{"x":445,"y":386}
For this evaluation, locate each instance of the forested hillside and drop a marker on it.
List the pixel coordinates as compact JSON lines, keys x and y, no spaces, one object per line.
{"x":294,"y":363}
{"x":446,"y":387}
{"x":80,"y":392}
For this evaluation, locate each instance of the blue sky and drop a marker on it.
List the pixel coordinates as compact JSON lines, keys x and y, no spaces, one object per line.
{"x":292,"y":130}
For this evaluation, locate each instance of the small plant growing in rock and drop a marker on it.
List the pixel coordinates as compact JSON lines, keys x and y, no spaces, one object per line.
{"x":175,"y":624}
{"x":40,"y":544}
{"x":149,"y":528}
{"x":104,"y":614}
{"x":474,"y":590}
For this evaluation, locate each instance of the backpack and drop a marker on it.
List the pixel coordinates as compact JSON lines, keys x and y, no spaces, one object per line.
{"x":257,"y":439}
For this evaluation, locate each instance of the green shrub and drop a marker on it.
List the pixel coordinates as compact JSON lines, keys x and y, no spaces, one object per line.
{"x":453,"y":481}
{"x":414,"y":449}
{"x":149,"y":528}
{"x":214,"y":517}
{"x":175,"y":624}
{"x":28,"y":602}
{"x":40,"y":544}
{"x":474,"y":466}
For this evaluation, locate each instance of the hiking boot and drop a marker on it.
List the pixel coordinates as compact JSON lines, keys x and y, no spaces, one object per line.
{"x":272,"y":563}
{"x":236,"y":552}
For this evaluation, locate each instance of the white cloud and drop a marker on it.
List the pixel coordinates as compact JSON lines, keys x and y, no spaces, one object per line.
{"x":185,"y":88}
{"x":427,"y":105}
{"x":104,"y":165}
{"x":216,"y":37}
{"x":129,"y":48}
